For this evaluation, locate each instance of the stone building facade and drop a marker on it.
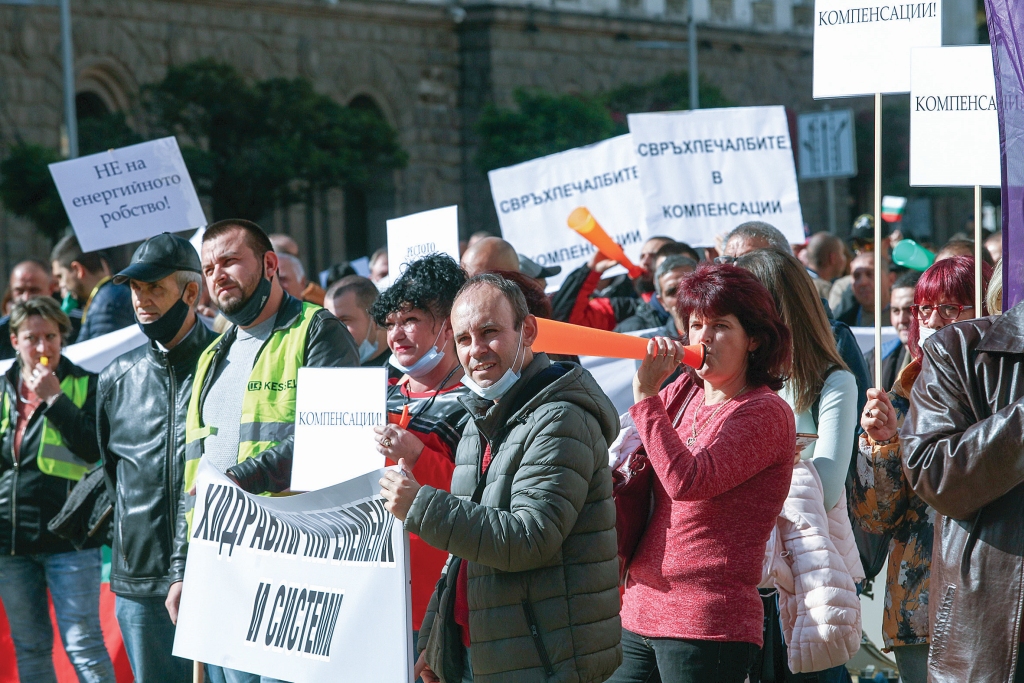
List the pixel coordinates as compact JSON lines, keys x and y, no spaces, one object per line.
{"x":428,"y":67}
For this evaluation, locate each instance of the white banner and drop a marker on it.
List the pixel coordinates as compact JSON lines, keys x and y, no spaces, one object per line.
{"x":704,"y":172}
{"x":95,"y":354}
{"x":954,"y":122}
{"x":862,"y":47}
{"x":336,"y":410}
{"x":412,"y":237}
{"x":533,"y":200}
{"x":303,"y":588}
{"x":128,"y":194}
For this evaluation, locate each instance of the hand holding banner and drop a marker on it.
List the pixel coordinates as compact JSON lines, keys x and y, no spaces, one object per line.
{"x":304,"y":588}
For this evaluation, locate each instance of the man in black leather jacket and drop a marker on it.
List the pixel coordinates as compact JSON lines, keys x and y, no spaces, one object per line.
{"x":143,"y":397}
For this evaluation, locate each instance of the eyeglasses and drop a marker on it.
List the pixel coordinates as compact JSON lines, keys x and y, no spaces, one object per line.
{"x":725,"y":259}
{"x":946,"y":311}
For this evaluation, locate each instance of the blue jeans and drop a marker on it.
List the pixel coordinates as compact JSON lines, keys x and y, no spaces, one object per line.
{"x":148,"y":638}
{"x":74,"y":582}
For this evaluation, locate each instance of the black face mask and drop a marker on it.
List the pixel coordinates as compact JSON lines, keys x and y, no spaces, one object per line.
{"x":169,"y":324}
{"x":252,"y":308}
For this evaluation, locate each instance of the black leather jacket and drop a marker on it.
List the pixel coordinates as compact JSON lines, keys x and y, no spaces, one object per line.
{"x":962,"y":455}
{"x":143,"y":397}
{"x":29,"y":499}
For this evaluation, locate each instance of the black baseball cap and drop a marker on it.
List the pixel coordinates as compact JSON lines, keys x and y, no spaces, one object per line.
{"x":535,"y":270}
{"x":863,"y":231}
{"x":160,"y":256}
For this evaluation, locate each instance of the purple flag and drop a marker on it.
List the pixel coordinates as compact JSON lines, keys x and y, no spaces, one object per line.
{"x":1006,"y":33}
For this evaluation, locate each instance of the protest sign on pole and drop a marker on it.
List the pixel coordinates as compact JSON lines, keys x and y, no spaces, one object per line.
{"x":304,"y":588}
{"x":954,"y":122}
{"x":954,"y":127}
{"x":420,"y":234}
{"x":704,"y":172}
{"x":336,"y":410}
{"x":863,"y":47}
{"x":128,"y":194}
{"x":533,"y":200}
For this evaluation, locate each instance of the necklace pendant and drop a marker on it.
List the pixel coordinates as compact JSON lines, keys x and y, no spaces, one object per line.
{"x":690,"y":441}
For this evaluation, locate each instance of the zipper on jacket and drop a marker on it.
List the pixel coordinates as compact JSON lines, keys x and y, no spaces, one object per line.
{"x":542,"y":652}
{"x":14,"y":502}
{"x":169,"y":465}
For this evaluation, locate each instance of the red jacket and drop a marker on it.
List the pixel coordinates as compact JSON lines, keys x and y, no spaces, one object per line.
{"x":437,"y":419}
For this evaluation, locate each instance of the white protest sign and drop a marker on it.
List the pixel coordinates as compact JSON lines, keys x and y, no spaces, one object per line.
{"x":128,"y":194}
{"x":704,"y":172}
{"x":954,"y":123}
{"x":533,"y":200}
{"x":336,"y":410}
{"x":303,"y":588}
{"x":862,"y":47}
{"x":412,"y":237}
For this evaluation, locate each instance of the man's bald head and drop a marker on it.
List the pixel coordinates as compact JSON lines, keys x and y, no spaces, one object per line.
{"x":29,"y":279}
{"x":490,"y":253}
{"x":826,"y":255}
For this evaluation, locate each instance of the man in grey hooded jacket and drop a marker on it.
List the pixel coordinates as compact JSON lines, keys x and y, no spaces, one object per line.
{"x":530,"y":591}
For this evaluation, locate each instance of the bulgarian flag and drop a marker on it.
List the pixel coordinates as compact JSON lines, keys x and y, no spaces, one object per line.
{"x":892,"y":208}
{"x":66,"y":672}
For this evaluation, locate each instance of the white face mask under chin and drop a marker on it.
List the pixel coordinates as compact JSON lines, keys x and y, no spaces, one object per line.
{"x":501,"y":387}
{"x":423,"y":367}
{"x":923,"y":333}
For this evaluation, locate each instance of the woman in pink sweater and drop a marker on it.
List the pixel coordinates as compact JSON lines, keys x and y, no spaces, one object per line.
{"x":721,"y":445}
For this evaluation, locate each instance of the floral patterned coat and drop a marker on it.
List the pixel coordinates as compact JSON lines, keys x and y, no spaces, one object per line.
{"x":883,"y":502}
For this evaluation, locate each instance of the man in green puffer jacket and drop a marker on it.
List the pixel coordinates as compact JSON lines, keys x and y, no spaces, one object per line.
{"x":530,"y":592}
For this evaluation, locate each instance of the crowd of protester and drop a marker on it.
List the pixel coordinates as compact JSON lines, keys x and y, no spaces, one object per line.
{"x":778,"y":479}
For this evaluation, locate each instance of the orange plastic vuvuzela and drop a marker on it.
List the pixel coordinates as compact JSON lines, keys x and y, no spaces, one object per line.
{"x":576,"y":340}
{"x":583,"y":222}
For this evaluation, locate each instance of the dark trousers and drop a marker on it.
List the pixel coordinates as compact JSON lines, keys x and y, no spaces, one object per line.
{"x":672,"y":660}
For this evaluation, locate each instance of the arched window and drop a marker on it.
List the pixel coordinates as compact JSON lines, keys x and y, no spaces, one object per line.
{"x":89,"y":105}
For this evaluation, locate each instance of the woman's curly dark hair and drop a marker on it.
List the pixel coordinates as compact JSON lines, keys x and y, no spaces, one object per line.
{"x":429,"y":284}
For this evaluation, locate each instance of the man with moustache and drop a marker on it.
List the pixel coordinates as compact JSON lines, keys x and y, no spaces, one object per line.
{"x":143,"y":396}
{"x":241,"y":415}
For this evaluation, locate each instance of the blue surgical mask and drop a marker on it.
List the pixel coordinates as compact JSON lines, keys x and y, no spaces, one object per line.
{"x":501,"y":387}
{"x":421,"y":368}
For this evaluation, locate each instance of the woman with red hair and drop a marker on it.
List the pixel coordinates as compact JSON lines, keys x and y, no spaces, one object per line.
{"x":721,"y":446}
{"x":882,"y":498}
